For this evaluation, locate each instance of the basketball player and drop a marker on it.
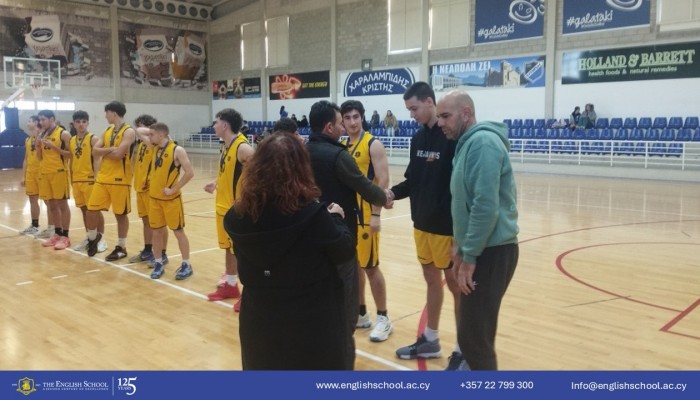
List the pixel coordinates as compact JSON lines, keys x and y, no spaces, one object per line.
{"x":235,"y":152}
{"x":143,"y":156}
{"x":113,"y":183}
{"x":31,"y":175}
{"x":165,"y":206}
{"x":54,"y":185}
{"x":427,"y":185}
{"x":82,"y":169}
{"x":371,"y":158}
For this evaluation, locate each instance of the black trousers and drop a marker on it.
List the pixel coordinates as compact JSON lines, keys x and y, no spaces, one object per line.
{"x":479,"y":310}
{"x":347,"y":272}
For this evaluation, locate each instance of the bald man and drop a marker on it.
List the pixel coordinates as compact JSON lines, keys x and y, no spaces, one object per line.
{"x":485,"y":224}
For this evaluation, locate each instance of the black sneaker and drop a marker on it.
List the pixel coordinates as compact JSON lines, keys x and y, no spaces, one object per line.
{"x":92,"y":245}
{"x":118,"y":253}
{"x":456,"y":362}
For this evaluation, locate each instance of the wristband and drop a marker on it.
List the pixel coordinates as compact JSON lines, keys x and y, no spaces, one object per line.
{"x":376,"y":215}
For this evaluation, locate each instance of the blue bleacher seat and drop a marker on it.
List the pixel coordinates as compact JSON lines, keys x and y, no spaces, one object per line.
{"x":606,"y":134}
{"x":652,"y":135}
{"x":528,"y":123}
{"x":515,"y":133}
{"x":657,"y":149}
{"x":621,"y":134}
{"x":660,"y":122}
{"x":630,"y":123}
{"x":550,"y":122}
{"x":516,"y":146}
{"x":644,"y":123}
{"x":539,"y":123}
{"x":602,"y":123}
{"x":508,"y":122}
{"x":566,"y":134}
{"x":624,"y":148}
{"x":530,"y":146}
{"x":684,"y":135}
{"x":579,"y":134}
{"x":540,"y":133}
{"x":667,"y":135}
{"x":592,"y":134}
{"x":615,"y":123}
{"x":696,"y":134}
{"x":517,"y":123}
{"x":528,"y":133}
{"x":640,"y":149}
{"x":553,"y":133}
{"x":636,"y":134}
{"x":674,"y":149}
{"x":691,"y":122}
{"x":675,"y":123}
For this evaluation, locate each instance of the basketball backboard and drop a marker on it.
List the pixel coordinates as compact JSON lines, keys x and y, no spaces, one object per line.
{"x":27,"y":72}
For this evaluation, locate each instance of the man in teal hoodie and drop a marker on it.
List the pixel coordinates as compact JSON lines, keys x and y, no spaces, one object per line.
{"x":485,"y":224}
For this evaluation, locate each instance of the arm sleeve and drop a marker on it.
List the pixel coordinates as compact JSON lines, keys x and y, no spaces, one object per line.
{"x":350,"y":174}
{"x":340,"y":247}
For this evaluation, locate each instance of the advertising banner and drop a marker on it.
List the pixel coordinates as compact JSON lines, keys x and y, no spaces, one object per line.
{"x":501,"y":20}
{"x":306,"y":85}
{"x":80,"y":44}
{"x":162,"y":57}
{"x":516,"y":72}
{"x":669,"y":61}
{"x":596,"y":15}
{"x":241,"y":88}
{"x":375,"y":83}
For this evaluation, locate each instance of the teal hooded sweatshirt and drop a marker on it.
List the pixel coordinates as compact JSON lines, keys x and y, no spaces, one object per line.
{"x":484,"y":212}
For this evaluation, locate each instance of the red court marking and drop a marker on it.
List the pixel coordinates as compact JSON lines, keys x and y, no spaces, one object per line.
{"x":666,"y":328}
{"x":424,"y":316}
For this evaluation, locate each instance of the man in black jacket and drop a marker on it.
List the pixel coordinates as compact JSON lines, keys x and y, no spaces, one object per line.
{"x":340,"y":179}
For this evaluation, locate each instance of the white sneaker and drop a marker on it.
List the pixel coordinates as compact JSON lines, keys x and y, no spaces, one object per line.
{"x":102,"y":246}
{"x":382,"y":329}
{"x":363,"y":322}
{"x":30,"y":230}
{"x":45,"y":234}
{"x":82,"y":246}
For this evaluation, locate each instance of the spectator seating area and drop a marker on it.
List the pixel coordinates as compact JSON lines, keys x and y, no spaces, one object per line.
{"x":206,"y":134}
{"x":659,"y":136}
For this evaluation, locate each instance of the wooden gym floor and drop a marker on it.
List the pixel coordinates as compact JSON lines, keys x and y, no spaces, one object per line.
{"x":608,"y":279}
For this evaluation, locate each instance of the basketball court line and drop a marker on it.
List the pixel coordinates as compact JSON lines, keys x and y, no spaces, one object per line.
{"x":125,"y":268}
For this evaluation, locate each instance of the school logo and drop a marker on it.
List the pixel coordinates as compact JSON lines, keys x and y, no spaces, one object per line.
{"x":42,"y":34}
{"x":358,"y":154}
{"x":26,"y":386}
{"x":153,"y":45}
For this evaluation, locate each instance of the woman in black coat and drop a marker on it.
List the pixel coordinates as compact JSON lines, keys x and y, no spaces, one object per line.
{"x":288,"y":245}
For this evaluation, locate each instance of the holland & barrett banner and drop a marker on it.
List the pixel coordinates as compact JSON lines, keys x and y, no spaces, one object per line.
{"x":595,"y":15}
{"x":305,"y":85}
{"x":669,"y":61}
{"x":499,"y":20}
{"x":374,"y":83}
{"x":515,"y":72}
{"x":340,"y":385}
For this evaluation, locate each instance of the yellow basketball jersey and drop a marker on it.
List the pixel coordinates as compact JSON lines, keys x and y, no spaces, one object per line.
{"x":228,"y":180}
{"x":142,"y":165}
{"x":51,"y":161}
{"x":30,"y":155}
{"x":164,"y":173}
{"x":81,"y":164}
{"x":115,"y":172}
{"x":360,"y":152}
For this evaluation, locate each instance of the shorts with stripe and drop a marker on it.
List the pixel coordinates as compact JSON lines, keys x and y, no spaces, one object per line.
{"x":31,"y":184}
{"x":433,"y":249}
{"x":142,"y":203}
{"x":54,"y":186}
{"x":105,"y":196}
{"x":166,"y":212}
{"x":367,"y":247}
{"x":82,"y":192}
{"x":224,"y":239}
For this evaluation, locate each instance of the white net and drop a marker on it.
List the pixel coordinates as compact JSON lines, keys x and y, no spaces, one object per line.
{"x":37,"y":89}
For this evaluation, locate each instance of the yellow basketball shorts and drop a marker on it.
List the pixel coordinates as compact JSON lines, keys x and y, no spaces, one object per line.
{"x":142,"y":203}
{"x":166,"y":212}
{"x":116,"y":196}
{"x":433,"y":249}
{"x":54,"y":186}
{"x":367,"y":247}
{"x":82,"y":192}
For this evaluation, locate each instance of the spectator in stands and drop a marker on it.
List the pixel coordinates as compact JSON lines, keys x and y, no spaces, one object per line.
{"x":303,"y":123}
{"x":294,"y":118}
{"x":574,"y":117}
{"x":390,"y":123}
{"x":588,"y":117}
{"x":374,"y":121}
{"x":283,"y":113}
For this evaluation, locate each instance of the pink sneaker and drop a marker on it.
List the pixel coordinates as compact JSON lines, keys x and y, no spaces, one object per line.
{"x":51,"y":242}
{"x":62,"y":244}
{"x":225,"y":292}
{"x":222,"y":280}
{"x":237,"y":306}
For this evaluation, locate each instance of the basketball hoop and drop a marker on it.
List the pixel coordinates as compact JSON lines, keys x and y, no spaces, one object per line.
{"x":37,"y":89}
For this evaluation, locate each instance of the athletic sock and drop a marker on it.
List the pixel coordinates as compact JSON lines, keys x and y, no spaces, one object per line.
{"x":35,"y":223}
{"x":431,"y":335}
{"x":148,"y":247}
{"x":121,"y":242}
{"x":92,"y":234}
{"x":363,"y":309}
{"x":231,"y":279}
